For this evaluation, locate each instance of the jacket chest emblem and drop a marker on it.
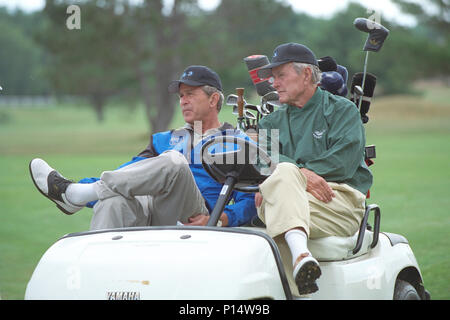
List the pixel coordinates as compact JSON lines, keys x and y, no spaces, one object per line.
{"x":174,"y":140}
{"x":318,"y":134}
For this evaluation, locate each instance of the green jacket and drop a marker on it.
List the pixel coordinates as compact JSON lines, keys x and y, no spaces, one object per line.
{"x":325,"y":136}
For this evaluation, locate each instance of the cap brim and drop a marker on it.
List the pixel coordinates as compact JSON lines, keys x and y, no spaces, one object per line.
{"x":266,"y":71}
{"x":174,"y":86}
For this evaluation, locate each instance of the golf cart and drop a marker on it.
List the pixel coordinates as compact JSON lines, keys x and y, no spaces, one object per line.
{"x":181,"y":262}
{"x":241,"y":263}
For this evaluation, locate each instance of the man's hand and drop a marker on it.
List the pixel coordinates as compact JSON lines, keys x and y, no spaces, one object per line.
{"x":258,"y":199}
{"x":317,"y":186}
{"x":198,"y":220}
{"x":202,"y":220}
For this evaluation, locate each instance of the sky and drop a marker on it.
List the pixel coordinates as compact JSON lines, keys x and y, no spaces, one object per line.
{"x":318,"y":8}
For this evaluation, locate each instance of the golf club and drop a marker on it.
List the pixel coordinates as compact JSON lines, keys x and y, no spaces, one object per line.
{"x":240,"y":108}
{"x":375,"y":39}
{"x":269,"y":101}
{"x":363,"y":96}
{"x":232,"y":101}
{"x":254,"y":63}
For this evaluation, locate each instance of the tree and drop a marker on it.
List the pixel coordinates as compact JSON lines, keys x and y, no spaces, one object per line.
{"x":435,"y":14}
{"x":237,"y":29}
{"x":120,"y":46}
{"x":86,"y":62}
{"x":20,"y":57}
{"x":433,"y":17}
{"x":127,"y":48}
{"x":157,"y":40}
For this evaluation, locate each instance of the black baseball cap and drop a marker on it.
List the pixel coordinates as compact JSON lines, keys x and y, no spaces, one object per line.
{"x":197,"y":76}
{"x":288,"y":52}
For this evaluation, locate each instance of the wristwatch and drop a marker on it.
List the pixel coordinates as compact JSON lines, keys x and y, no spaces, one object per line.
{"x":219,"y":223}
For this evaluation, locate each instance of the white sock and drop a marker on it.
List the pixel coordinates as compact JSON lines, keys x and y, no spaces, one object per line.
{"x":297,"y":241}
{"x":81,"y":193}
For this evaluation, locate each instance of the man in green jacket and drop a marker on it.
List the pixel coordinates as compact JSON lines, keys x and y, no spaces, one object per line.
{"x":319,"y":185}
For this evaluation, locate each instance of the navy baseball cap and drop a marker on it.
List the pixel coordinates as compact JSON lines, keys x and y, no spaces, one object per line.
{"x":197,"y":76}
{"x":288,"y":52}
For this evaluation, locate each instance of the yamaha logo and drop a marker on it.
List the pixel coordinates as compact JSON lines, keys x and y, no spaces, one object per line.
{"x":123,"y":295}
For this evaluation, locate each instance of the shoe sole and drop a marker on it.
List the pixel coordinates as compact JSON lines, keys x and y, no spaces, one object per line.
{"x":306,"y":278}
{"x":58,"y":205}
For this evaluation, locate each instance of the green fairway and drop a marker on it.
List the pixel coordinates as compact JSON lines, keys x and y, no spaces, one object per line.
{"x":411,"y":176}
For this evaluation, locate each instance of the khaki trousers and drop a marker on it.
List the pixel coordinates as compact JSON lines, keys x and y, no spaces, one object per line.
{"x":286,"y":205}
{"x":155,"y":191}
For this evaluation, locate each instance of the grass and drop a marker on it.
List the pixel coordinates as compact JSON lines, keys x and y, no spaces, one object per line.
{"x":411,"y":176}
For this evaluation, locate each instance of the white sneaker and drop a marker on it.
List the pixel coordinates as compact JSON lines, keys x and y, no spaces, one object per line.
{"x":52,"y":185}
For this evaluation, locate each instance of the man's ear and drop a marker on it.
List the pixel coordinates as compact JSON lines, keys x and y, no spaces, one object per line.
{"x":214,"y":99}
{"x":308,"y":74}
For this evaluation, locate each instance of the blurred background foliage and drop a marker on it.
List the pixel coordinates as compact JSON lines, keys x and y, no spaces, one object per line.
{"x":129,"y":51}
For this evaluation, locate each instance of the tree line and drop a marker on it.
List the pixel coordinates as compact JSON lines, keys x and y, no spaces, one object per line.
{"x":129,"y":51}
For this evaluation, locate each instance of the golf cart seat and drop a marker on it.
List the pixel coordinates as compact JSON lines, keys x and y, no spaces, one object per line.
{"x":339,"y":248}
{"x":240,"y":169}
{"x":336,"y":248}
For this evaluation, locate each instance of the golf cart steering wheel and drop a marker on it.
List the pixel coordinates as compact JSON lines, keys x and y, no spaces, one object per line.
{"x":248,"y":164}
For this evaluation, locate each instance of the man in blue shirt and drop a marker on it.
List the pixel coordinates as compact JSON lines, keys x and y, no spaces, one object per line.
{"x":166,"y":183}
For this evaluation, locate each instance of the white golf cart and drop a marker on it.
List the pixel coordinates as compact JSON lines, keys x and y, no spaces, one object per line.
{"x":180,"y":262}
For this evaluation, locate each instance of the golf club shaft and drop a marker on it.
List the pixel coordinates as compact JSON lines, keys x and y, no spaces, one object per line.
{"x":363,"y":79}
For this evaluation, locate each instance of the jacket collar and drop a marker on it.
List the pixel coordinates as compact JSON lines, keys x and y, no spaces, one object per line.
{"x":223,"y":127}
{"x":317,"y":96}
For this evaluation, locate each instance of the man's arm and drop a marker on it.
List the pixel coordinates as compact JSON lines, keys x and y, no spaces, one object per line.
{"x":340,"y":161}
{"x":242,"y":210}
{"x":237,"y":214}
{"x":346,"y":142}
{"x":317,"y":186}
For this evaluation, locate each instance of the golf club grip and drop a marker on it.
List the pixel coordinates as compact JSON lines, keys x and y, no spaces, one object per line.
{"x":240,"y":101}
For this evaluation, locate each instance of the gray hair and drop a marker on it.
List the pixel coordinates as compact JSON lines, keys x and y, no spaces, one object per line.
{"x":315,"y":71}
{"x":210,"y":90}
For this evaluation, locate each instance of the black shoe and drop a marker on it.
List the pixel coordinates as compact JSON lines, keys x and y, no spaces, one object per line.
{"x":52,"y":185}
{"x":306,"y":272}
